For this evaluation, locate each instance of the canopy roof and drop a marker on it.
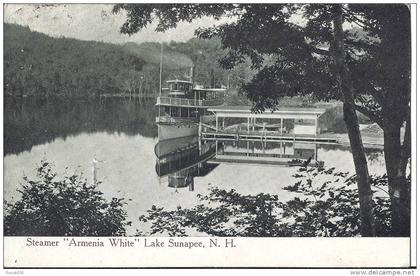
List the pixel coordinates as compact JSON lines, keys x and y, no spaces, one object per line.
{"x":281,"y":112}
{"x":247,"y":109}
{"x":179,"y":81}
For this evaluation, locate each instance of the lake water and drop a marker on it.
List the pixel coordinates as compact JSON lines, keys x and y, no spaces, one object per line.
{"x":122,"y":135}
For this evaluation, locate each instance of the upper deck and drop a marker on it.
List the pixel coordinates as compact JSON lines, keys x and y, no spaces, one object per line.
{"x":183,"y":102}
{"x":179,"y":87}
{"x":180,"y":93}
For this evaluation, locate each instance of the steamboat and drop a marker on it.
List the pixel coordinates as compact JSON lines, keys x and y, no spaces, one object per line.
{"x":182,"y":106}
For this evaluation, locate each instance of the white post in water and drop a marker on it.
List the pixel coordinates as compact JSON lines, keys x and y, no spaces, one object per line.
{"x":94,"y":169}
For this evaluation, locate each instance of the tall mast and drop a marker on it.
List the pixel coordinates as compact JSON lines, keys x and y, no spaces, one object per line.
{"x":160,"y":69}
{"x":160,"y":94}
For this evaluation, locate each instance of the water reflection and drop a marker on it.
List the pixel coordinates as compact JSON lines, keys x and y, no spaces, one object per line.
{"x":136,"y":164}
{"x":35,"y":121}
{"x":269,"y":153}
{"x":180,"y":160}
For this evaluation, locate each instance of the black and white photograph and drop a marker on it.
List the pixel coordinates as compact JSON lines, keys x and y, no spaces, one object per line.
{"x":148,"y":125}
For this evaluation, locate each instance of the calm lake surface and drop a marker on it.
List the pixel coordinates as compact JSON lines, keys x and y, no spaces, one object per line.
{"x":122,"y":135}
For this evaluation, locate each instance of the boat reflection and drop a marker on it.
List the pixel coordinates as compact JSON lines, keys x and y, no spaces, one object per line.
{"x":180,"y":160}
{"x":267,"y":153}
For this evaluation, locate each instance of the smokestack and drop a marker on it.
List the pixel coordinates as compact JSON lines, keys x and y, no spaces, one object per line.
{"x":192,"y":75}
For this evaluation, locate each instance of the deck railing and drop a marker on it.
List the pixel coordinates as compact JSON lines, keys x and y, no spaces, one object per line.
{"x":172,"y":120}
{"x":259,"y":154}
{"x":188,"y":102}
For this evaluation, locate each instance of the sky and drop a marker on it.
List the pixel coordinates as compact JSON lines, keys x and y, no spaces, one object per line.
{"x":97,"y":22}
{"x":91,"y":22}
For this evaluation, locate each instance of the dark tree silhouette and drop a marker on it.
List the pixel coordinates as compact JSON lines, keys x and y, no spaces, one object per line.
{"x":327,"y":206}
{"x":50,"y":206}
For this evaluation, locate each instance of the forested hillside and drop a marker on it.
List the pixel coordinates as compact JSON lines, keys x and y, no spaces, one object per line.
{"x":36,"y":64}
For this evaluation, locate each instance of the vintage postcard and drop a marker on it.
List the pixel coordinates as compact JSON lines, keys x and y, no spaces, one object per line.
{"x":272,"y":135}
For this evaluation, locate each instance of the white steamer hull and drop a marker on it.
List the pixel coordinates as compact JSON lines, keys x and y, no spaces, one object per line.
{"x":167,"y":131}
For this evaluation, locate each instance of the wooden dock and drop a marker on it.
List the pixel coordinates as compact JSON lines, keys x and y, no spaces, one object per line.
{"x":321,"y":139}
{"x":258,"y":136}
{"x":288,"y":162}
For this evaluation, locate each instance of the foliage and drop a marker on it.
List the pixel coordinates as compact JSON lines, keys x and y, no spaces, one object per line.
{"x":291,"y":47}
{"x":327,"y":206}
{"x":303,"y":49}
{"x":331,"y":205}
{"x":50,"y":206}
{"x":382,"y":70}
{"x":36,"y":64}
{"x":150,"y":52}
{"x":332,"y":120}
{"x":139,"y":16}
{"x":205,"y":54}
{"x":223,"y":213}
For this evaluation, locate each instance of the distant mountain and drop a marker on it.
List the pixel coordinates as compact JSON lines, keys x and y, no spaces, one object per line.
{"x":37,"y":64}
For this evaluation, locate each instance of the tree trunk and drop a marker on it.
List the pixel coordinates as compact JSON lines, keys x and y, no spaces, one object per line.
{"x":396,"y":159}
{"x":406,"y":148}
{"x":352,"y":124}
